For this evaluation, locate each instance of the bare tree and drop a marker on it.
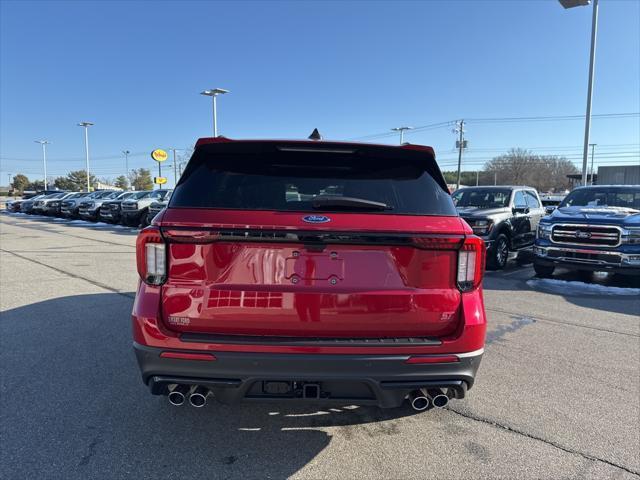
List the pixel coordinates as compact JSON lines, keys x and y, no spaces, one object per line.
{"x":522,"y":167}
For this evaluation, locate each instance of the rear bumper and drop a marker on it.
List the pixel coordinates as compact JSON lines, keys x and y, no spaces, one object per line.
{"x":383,"y":380}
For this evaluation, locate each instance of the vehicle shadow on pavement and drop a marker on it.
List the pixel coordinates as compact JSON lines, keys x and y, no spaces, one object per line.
{"x":73,"y":406}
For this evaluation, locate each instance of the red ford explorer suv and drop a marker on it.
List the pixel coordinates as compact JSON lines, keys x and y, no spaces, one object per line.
{"x":309,"y":270}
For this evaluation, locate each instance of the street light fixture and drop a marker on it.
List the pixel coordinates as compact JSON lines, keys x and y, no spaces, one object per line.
{"x":44,"y":144}
{"x":592,"y":60}
{"x":401,"y":130}
{"x":213,"y":93}
{"x":86,"y":126}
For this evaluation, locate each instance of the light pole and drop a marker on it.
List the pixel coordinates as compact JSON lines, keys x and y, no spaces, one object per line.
{"x":44,"y":144}
{"x":213,"y":93}
{"x":593,"y":148}
{"x":592,"y":61}
{"x":401,"y":130}
{"x":86,"y":126}
{"x":175,"y":167}
{"x":126,"y":162}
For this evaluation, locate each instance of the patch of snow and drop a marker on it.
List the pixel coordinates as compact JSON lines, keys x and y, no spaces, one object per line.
{"x":579,"y":288}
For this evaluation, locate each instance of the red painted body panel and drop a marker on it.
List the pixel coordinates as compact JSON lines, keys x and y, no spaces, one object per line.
{"x":149,"y":330}
{"x":345,"y":291}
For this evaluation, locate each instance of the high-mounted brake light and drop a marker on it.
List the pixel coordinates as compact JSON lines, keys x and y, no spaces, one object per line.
{"x":151,"y":256}
{"x":470,"y":263}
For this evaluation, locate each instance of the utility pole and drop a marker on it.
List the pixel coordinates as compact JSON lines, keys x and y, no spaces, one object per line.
{"x":401,"y":130}
{"x":477,"y":177}
{"x":44,"y":144}
{"x":593,"y":147}
{"x":460,"y":143}
{"x":495,"y":178}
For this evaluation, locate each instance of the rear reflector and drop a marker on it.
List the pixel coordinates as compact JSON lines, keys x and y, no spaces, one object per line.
{"x":207,"y":357}
{"x":433,"y":359}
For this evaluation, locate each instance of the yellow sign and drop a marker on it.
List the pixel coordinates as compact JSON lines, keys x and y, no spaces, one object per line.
{"x":159,"y":180}
{"x":159,"y":155}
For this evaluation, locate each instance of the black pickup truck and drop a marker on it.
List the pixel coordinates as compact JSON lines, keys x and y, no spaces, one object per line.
{"x":506,"y":217}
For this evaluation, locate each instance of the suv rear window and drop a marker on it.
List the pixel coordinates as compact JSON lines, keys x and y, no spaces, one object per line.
{"x":305,"y":180}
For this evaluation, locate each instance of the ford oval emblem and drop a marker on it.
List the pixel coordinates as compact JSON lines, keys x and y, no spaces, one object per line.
{"x":316,"y":219}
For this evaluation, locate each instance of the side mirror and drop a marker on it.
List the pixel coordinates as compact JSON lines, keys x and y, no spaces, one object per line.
{"x":549,"y":210}
{"x":524,"y":210}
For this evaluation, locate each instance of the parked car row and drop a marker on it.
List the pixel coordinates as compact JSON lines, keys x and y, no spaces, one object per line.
{"x":132,"y":208}
{"x":594,"y":228}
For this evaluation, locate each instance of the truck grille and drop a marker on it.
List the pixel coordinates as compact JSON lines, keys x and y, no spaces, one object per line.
{"x":593,"y":235}
{"x":129,"y":207}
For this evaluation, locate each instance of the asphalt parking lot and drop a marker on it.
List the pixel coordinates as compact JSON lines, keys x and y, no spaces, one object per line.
{"x":557,"y":395}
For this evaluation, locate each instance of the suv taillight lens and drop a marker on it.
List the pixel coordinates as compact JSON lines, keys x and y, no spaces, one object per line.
{"x":471,"y":259}
{"x":151,"y":256}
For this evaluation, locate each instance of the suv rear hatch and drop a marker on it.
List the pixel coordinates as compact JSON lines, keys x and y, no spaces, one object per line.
{"x":312,"y":239}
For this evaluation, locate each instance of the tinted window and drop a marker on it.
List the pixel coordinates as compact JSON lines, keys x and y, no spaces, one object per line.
{"x":519,"y":201}
{"x":138,"y":195}
{"x":532,"y":200}
{"x":482,"y":197}
{"x":300,"y":181}
{"x":604,"y":197}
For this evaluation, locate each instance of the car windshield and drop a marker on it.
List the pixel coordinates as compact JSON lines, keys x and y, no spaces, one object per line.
{"x":159,"y":194}
{"x":123,"y":195}
{"x":113,"y":195}
{"x":309,"y":181}
{"x":139,"y":195}
{"x":103,"y":194}
{"x":76,"y":195}
{"x":620,"y":197}
{"x":482,"y":197}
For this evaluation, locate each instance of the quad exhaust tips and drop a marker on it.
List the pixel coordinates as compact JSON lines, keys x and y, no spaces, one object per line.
{"x":419,"y":400}
{"x":197,"y":395}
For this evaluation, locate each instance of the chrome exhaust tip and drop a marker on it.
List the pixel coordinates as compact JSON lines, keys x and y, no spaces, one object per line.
{"x":440,"y":401}
{"x":178,"y":395}
{"x":198,"y":397}
{"x":419,"y":401}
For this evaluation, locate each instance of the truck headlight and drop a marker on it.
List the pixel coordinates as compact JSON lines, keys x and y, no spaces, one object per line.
{"x":481,"y":227}
{"x":544,"y":231}
{"x":631,"y":235}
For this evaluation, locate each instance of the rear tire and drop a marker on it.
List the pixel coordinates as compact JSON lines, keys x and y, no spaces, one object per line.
{"x":499,"y":254}
{"x":543,"y":271}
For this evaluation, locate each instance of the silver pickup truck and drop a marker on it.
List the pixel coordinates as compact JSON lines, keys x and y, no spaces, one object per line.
{"x":134,"y":211}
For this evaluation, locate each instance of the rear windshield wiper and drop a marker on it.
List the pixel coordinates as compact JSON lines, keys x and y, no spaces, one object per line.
{"x":324,"y":201}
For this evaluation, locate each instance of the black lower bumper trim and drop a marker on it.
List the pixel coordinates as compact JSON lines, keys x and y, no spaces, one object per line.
{"x":383,"y":380}
{"x":589,"y":267}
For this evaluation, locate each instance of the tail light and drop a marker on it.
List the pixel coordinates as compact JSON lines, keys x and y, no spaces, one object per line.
{"x":151,"y":256}
{"x":471,"y":259}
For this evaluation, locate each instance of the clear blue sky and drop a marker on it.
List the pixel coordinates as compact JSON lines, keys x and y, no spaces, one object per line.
{"x":350,"y":69}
